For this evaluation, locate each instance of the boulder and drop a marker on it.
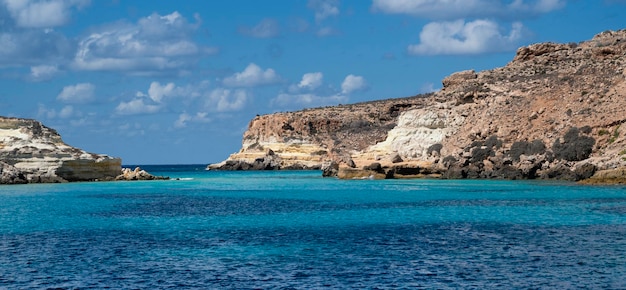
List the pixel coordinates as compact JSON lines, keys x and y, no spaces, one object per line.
{"x":396,"y":158}
{"x":138,"y":174}
{"x":459,"y":78}
{"x":355,"y":173}
{"x":11,"y":175}
{"x":330,"y":169}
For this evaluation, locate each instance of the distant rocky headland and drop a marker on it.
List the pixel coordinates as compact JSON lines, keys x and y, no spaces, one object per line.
{"x":33,"y":153}
{"x":556,"y":111}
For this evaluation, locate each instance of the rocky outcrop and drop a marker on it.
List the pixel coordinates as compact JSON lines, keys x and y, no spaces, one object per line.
{"x":306,"y":139}
{"x":556,"y":111}
{"x":609,"y":176}
{"x":138,"y":174}
{"x":33,"y":153}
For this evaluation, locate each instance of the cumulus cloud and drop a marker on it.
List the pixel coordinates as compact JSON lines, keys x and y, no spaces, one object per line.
{"x":311,"y":80}
{"x":159,"y":96}
{"x":353,"y":83}
{"x":136,"y":106}
{"x":43,"y":72}
{"x":223,"y":100}
{"x":173,"y":98}
{"x":158,"y":91}
{"x":267,"y":28}
{"x":42,"y":14}
{"x":66,"y":112}
{"x":297,"y":101}
{"x":539,"y":6}
{"x":309,"y":92}
{"x":79,"y":93}
{"x":184,"y":119}
{"x":154,"y":43}
{"x":455,"y":9}
{"x":324,"y":8}
{"x":459,"y":37}
{"x":252,"y":76}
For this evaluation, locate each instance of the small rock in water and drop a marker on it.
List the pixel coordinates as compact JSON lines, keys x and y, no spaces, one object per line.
{"x":138,"y":174}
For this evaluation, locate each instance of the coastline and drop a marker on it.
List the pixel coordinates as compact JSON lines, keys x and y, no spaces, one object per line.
{"x":555,"y":111}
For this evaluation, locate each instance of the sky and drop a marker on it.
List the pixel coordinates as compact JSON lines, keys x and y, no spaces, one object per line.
{"x":177,"y":82}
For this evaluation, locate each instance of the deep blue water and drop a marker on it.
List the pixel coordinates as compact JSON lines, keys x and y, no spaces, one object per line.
{"x":251,"y":230}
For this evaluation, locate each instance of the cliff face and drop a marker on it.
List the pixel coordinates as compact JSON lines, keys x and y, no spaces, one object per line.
{"x":33,"y":153}
{"x":555,"y":111}
{"x":306,"y":139}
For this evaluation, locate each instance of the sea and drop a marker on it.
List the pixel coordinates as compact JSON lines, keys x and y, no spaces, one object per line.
{"x":296,"y":230}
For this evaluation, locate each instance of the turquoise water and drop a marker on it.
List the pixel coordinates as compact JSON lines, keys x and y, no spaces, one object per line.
{"x":287,"y":230}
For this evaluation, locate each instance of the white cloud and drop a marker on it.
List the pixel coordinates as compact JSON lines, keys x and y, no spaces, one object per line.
{"x":66,"y":112}
{"x":252,"y":76}
{"x":309,"y":92}
{"x":45,"y":112}
{"x":353,"y":83}
{"x":160,"y":96}
{"x":433,"y":9}
{"x":158,"y":91}
{"x":184,"y":118}
{"x":540,"y":6}
{"x":324,"y":8}
{"x":223,"y":100}
{"x":155,"y":43}
{"x":42,"y":14}
{"x":311,"y":80}
{"x":267,"y":28}
{"x":298,"y":101}
{"x":455,"y":9}
{"x":43,"y":72}
{"x":428,"y":88}
{"x":136,"y":106}
{"x":79,"y":93}
{"x":459,"y":37}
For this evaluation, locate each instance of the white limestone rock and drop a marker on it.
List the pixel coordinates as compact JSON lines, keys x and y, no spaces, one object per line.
{"x":33,"y":153}
{"x":416,"y":131}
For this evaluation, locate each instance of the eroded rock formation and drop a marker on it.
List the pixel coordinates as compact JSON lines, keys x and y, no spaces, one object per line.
{"x":555,"y":111}
{"x":33,"y":153}
{"x":138,"y":174}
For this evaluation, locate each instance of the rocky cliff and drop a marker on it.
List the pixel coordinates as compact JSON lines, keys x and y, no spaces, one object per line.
{"x":554,"y":111}
{"x":33,"y":153}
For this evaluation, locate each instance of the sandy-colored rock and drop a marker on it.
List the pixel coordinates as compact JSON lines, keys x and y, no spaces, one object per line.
{"x":307,"y":139}
{"x":355,"y":173}
{"x":607,"y":177}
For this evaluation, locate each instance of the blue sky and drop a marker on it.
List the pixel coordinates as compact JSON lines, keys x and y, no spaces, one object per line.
{"x":176,"y":82}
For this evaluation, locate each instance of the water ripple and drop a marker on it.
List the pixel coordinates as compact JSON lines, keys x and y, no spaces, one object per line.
{"x":434,"y":256}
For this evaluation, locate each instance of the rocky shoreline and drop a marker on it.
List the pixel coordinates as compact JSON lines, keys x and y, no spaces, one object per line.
{"x":33,"y":153}
{"x":556,"y":111}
